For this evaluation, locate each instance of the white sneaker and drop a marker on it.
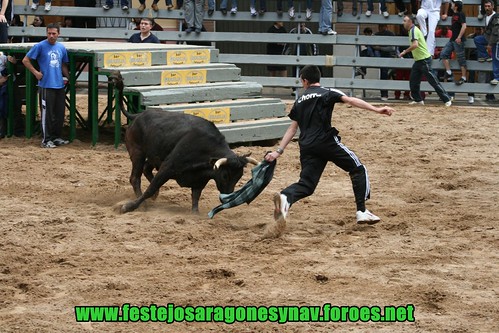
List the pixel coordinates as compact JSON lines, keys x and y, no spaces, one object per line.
{"x":233,"y":11}
{"x":471,"y":99}
{"x":494,"y":82}
{"x":34,"y":6}
{"x":331,"y":32}
{"x":401,"y":14}
{"x":448,"y":103}
{"x":386,"y":14}
{"x":384,"y":99}
{"x":368,"y":13}
{"x":308,"y":14}
{"x":48,"y":6}
{"x":281,"y":207}
{"x":416,"y":103}
{"x":366,"y":217}
{"x":291,"y":12}
{"x":253,"y":11}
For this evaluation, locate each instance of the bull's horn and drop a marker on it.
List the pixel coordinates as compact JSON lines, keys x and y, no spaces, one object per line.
{"x":219,"y":163}
{"x":252,"y":160}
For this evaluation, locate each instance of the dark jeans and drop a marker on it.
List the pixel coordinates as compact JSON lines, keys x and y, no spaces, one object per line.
{"x":420,"y":68}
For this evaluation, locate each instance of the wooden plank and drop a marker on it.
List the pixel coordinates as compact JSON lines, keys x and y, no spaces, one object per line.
{"x":177,"y":75}
{"x":244,"y":109}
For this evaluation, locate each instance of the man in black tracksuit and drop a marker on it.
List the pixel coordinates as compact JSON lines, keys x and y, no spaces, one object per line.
{"x":320,"y":143}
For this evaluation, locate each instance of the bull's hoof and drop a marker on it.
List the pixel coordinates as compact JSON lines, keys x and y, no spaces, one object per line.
{"x":128,"y":207}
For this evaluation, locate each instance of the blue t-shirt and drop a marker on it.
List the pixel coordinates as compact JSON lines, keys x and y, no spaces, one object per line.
{"x":50,"y":59}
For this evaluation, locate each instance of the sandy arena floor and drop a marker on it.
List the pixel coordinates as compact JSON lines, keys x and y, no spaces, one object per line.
{"x":434,"y":177}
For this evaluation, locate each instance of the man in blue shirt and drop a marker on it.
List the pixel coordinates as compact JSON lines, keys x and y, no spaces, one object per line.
{"x":52,"y":58}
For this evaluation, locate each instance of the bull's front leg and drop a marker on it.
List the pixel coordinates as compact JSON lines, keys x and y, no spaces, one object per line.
{"x":195,"y":195}
{"x":161,"y":177}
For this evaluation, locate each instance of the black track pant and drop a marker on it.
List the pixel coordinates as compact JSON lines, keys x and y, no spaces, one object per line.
{"x":313,"y":161}
{"x":52,"y":104}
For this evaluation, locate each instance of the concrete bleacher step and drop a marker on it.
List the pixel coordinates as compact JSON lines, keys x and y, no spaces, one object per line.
{"x":237,"y":110}
{"x":255,"y":130}
{"x":156,"y":95}
{"x":178,"y":75}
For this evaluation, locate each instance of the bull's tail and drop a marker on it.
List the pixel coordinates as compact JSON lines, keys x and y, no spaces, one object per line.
{"x":117,"y":81}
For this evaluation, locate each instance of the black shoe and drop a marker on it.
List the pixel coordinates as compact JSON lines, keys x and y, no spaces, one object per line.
{"x":198,"y":31}
{"x":210,"y":12}
{"x":461,"y":81}
{"x":490,"y":97}
{"x":188,"y":30}
{"x":224,"y":11}
{"x":354,"y":12}
{"x":339,"y":13}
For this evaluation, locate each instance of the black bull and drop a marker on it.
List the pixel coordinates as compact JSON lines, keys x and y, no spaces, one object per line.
{"x":186,"y":148}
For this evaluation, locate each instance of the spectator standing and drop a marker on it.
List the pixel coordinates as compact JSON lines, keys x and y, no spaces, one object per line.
{"x":145,"y":35}
{"x":261,"y":11}
{"x":402,"y":10}
{"x":291,"y":9}
{"x":487,"y":44}
{"x":6,"y":16}
{"x":422,"y":65}
{"x":154,"y":5}
{"x":384,"y":52}
{"x":481,"y":9}
{"x":110,"y":4}
{"x":194,"y":13}
{"x":53,"y":60}
{"x":430,"y":9}
{"x":223,"y":7}
{"x":456,"y":42}
{"x":36,"y":3}
{"x":370,"y":8}
{"x":276,"y":49}
{"x":325,"y":18}
{"x":319,"y":144}
{"x":340,"y":7}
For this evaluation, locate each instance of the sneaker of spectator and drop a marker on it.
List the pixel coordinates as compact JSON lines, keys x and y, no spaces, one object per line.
{"x":494,"y":82}
{"x":124,"y":7}
{"x":155,"y":7}
{"x":291,"y":12}
{"x":329,"y":32}
{"x":461,"y":81}
{"x":279,"y":13}
{"x":386,"y":14}
{"x":48,"y":6}
{"x":471,"y":99}
{"x":490,"y":97}
{"x":142,"y":7}
{"x":106,"y":7}
{"x":360,"y":72}
{"x":34,"y":6}
{"x":339,"y":13}
{"x":308,"y":14}
{"x":369,"y":13}
{"x":233,"y":10}
{"x":253,"y":11}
